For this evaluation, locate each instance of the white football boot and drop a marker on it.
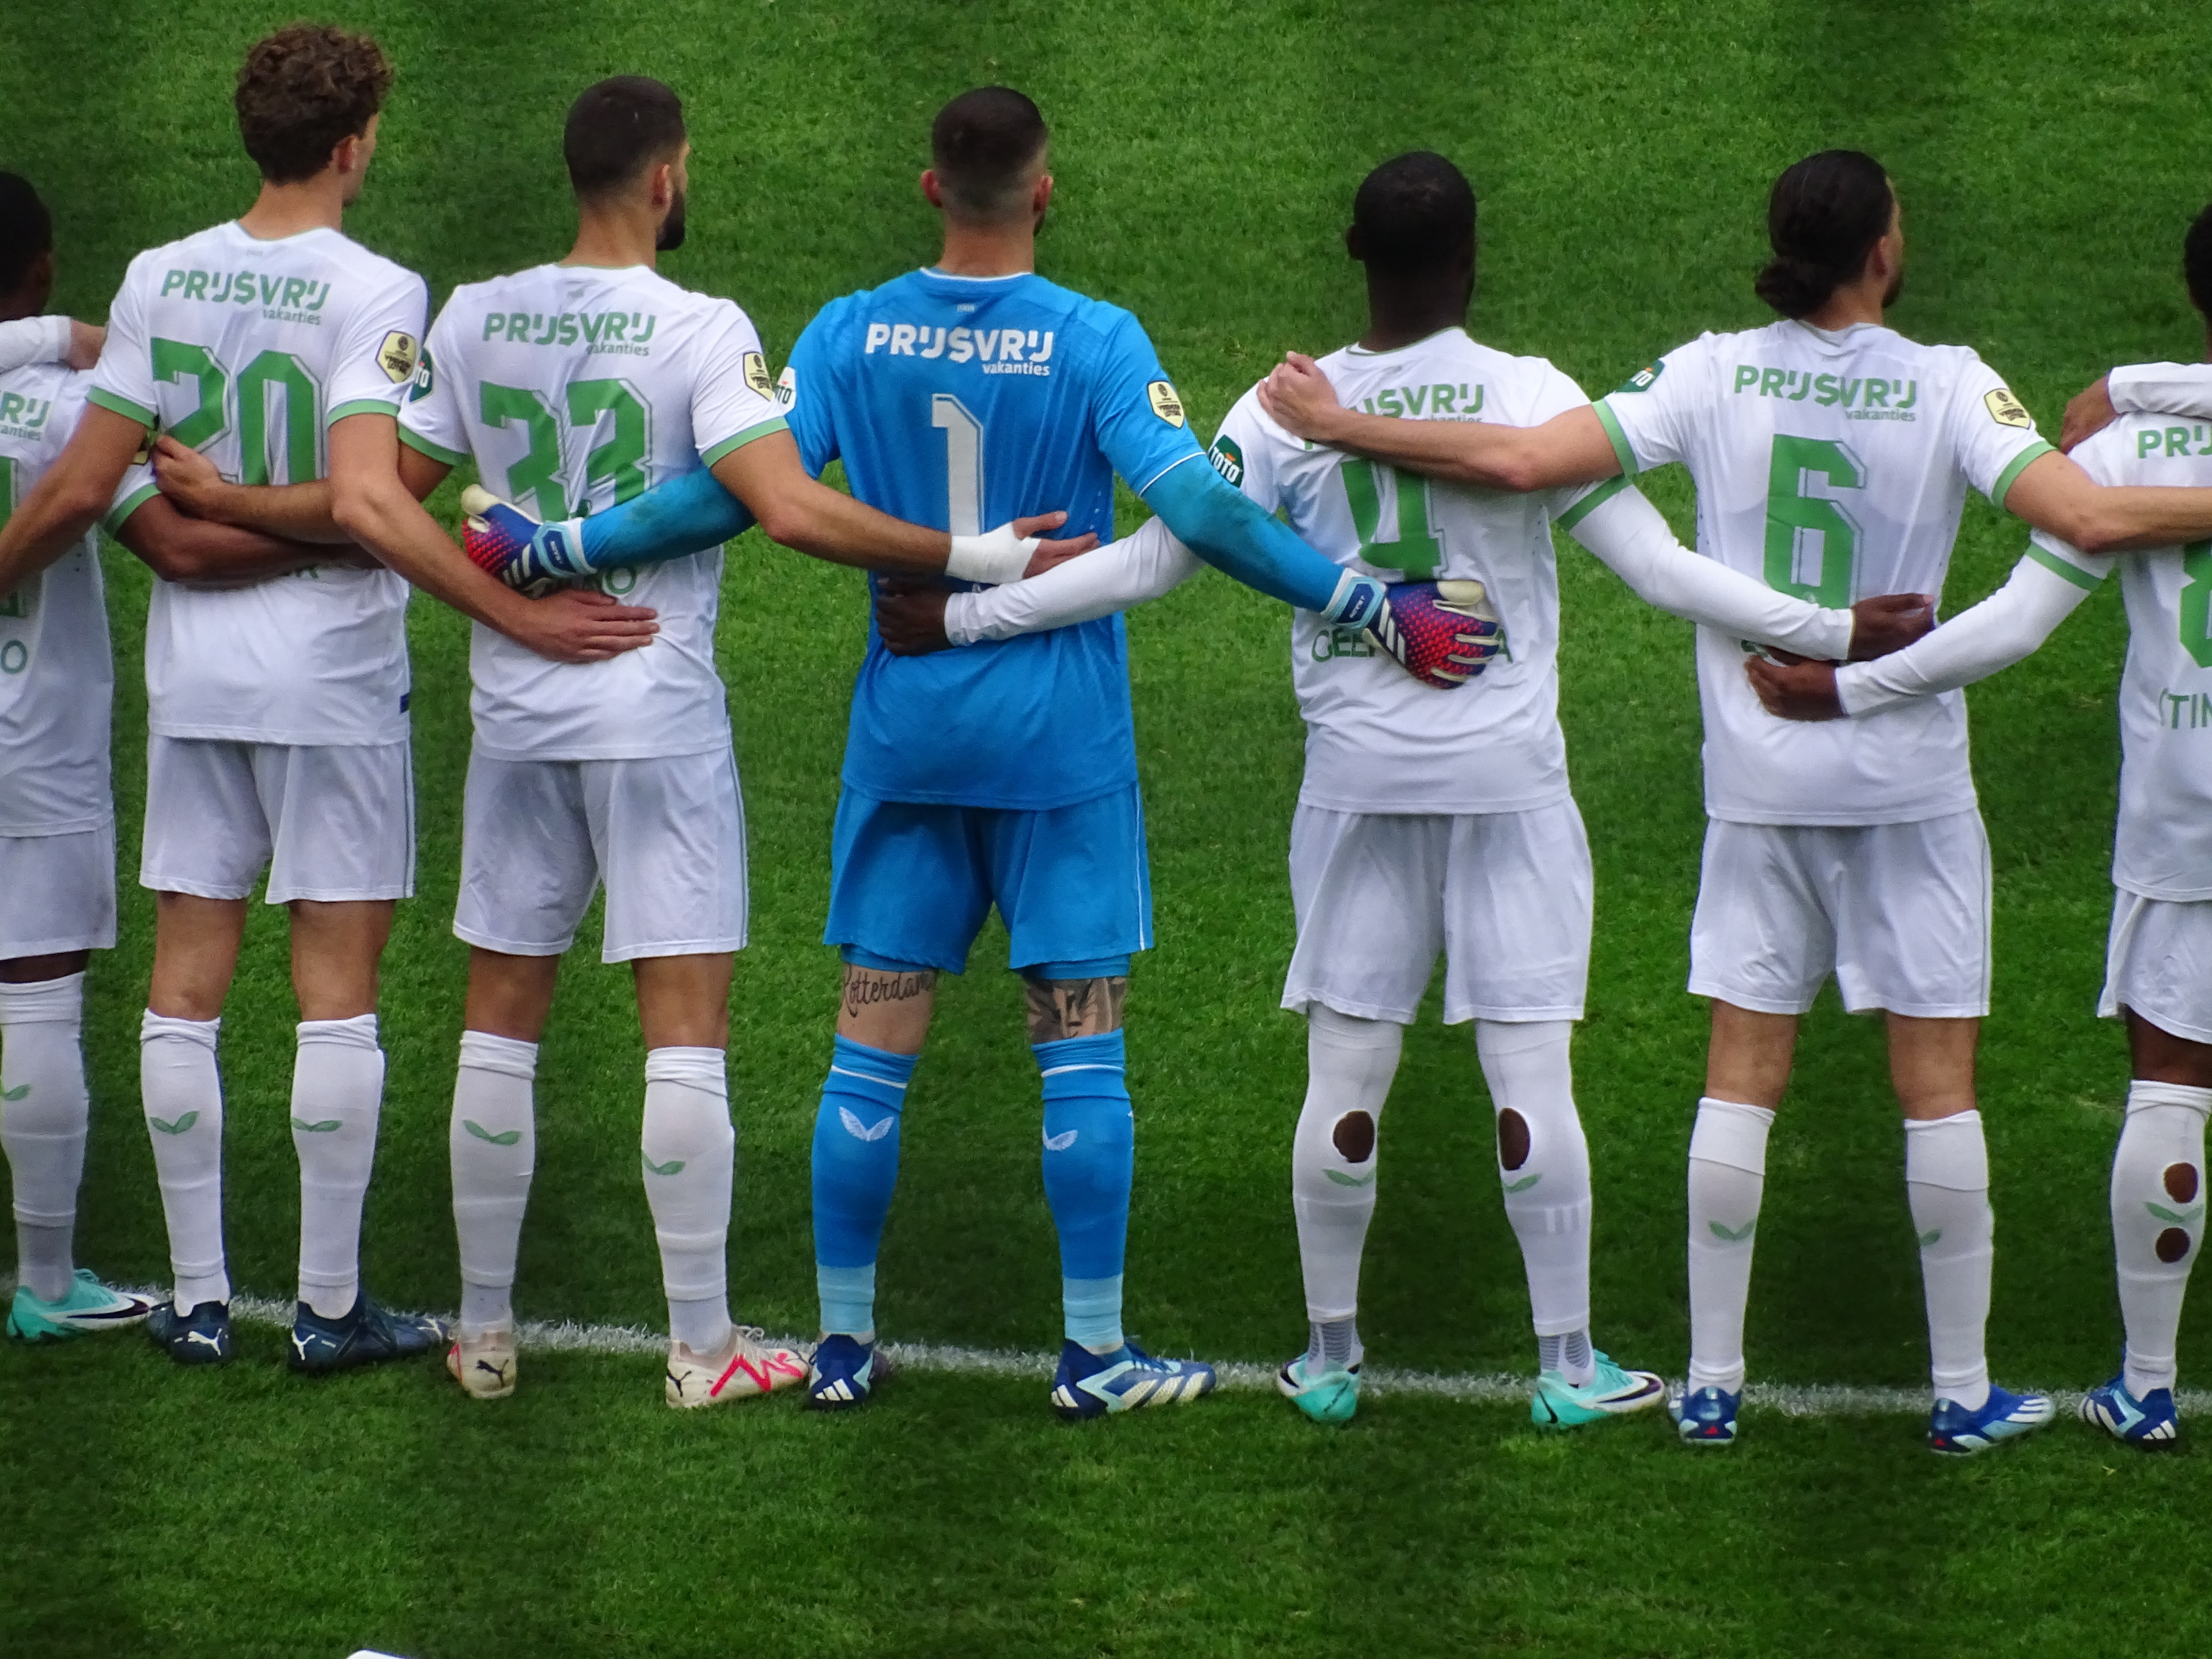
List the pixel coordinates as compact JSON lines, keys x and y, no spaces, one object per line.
{"x":746,"y":1365}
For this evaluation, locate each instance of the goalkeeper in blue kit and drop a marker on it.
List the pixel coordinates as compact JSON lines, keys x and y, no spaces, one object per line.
{"x":1006,"y":775}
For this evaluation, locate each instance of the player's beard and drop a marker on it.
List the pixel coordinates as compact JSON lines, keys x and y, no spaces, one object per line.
{"x":671,"y":235}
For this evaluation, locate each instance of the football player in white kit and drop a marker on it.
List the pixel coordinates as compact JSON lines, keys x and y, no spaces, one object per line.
{"x":1432,"y":820}
{"x":2158,"y":974}
{"x":278,"y":709}
{"x":57,"y":816}
{"x":1831,"y":456}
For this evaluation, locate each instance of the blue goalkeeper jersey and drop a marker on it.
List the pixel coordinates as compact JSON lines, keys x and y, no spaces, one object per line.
{"x":960,"y":402}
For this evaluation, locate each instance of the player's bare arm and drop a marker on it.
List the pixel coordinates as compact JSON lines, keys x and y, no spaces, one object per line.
{"x":299,"y":512}
{"x":373,"y":506}
{"x":2054,"y":494}
{"x":179,"y":548}
{"x":1570,"y":449}
{"x":2088,"y":412}
{"x":70,"y":499}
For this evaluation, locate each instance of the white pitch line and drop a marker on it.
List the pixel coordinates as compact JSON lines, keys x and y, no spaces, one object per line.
{"x":1490,"y":1388}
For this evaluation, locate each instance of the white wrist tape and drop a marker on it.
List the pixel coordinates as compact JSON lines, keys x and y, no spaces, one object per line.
{"x":997,"y":556}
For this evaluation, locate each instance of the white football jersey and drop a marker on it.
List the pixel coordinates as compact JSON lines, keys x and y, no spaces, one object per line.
{"x":57,"y":674}
{"x":248,"y":350}
{"x":576,"y":387}
{"x":2162,"y":846}
{"x":1377,"y":740}
{"x":1833,"y":466}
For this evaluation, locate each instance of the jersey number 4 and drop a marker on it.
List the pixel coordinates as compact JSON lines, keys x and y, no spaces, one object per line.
{"x":1812,"y":540}
{"x":1416,"y":550}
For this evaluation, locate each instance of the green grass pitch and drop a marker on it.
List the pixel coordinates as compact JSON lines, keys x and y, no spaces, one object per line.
{"x":2048,"y":155}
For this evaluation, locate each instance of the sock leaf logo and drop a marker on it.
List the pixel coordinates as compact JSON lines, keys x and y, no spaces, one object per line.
{"x":323,"y":1129}
{"x":674,"y":1166}
{"x":504,"y":1138}
{"x":1738,"y":1236}
{"x":860,"y":1131}
{"x":1928,"y":1238}
{"x":1524,"y":1184}
{"x":183,"y":1123}
{"x":2180,"y":1217}
{"x":1344,"y":1180}
{"x":16,"y":1093}
{"x":1061,"y":1142}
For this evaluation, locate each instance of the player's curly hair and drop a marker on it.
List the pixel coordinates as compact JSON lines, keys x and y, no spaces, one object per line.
{"x":1412,"y":216}
{"x":301,"y":91}
{"x":1824,"y":216}
{"x":27,"y":230}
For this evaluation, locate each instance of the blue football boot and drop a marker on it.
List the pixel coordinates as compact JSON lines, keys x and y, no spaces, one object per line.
{"x":1094,"y":1385}
{"x":2150,"y":1422}
{"x":1706,"y":1417}
{"x":201,"y":1337}
{"x":843,"y":1373}
{"x":1957,"y":1432}
{"x":368,"y":1335}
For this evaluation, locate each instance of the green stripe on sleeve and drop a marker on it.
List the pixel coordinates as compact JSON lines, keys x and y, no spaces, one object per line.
{"x":123,"y":509}
{"x":774,"y":423}
{"x":1590,"y":503}
{"x":362,"y":406}
{"x":436,"y":452}
{"x":2026,"y":458}
{"x":123,"y":406}
{"x":1627,"y":456}
{"x":2057,"y":566}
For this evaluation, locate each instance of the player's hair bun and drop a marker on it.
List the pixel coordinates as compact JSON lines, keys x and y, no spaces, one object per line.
{"x":1823,"y":218}
{"x":1796,"y":286}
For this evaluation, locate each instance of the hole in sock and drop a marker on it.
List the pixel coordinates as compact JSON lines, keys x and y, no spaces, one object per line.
{"x":1354,"y":1137}
{"x":1512,"y":1140}
{"x":2172,"y":1244}
{"x":2181,"y":1182}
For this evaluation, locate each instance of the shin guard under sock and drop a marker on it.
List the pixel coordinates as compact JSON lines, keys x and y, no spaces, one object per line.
{"x":181,"y":1091}
{"x":856,"y":1152}
{"x":1727,"y":1179}
{"x":44,"y":1115}
{"x":1090,"y":1151}
{"x":1947,"y":1180}
{"x":492,"y":1141}
{"x":338,"y":1096}
{"x":689,"y":1150}
{"x":1335,"y":1155}
{"x":2158,"y":1220}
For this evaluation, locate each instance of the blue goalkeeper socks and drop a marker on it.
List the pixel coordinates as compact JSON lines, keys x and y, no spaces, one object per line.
{"x":1090,"y":1151}
{"x":687,"y":515}
{"x":856,"y":1141}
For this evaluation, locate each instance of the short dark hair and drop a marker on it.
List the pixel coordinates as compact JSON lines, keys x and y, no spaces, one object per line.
{"x":27,"y":230}
{"x":983,"y":145}
{"x":1823,"y":219}
{"x":302,"y":91}
{"x":1413,"y":215}
{"x":2197,"y":262}
{"x":616,"y":128}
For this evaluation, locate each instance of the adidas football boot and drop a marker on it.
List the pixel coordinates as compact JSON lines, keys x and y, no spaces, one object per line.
{"x":507,"y":543}
{"x":747,"y":1366}
{"x":1611,"y":1392}
{"x":1326,"y":1396}
{"x":201,"y":1337}
{"x":2150,"y":1422}
{"x":368,"y":1335}
{"x":1706,"y":1417}
{"x":843,"y":1373}
{"x":89,"y":1306}
{"x":1957,"y":1432}
{"x":1094,"y":1385}
{"x":484,"y":1365}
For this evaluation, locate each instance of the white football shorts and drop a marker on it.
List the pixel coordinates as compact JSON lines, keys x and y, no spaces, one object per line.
{"x":666,"y":836}
{"x":1899,"y":912}
{"x":334,"y":823}
{"x":2159,"y":963}
{"x":1504,"y":896}
{"x":57,"y":893}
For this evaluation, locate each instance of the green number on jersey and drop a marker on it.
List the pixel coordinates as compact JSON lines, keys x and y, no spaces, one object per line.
{"x":1791,"y":512}
{"x":537,"y":474}
{"x":303,"y":419}
{"x":620,"y":458}
{"x":15,"y":604}
{"x":178,"y":360}
{"x":2196,"y":602}
{"x":1416,"y":552}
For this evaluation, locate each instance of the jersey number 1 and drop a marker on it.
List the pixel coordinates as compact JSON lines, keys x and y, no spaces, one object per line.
{"x":1812,"y":541}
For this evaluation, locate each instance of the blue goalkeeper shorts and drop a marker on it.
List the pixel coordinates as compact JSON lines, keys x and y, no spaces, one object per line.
{"x":910,"y":883}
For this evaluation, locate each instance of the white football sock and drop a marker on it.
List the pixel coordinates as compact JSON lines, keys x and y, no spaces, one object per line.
{"x":690,"y":1150}
{"x":181,"y":1091}
{"x":1547,"y":1187}
{"x":44,"y":1111}
{"x":2158,"y":1218}
{"x":1728,"y":1178}
{"x":492,"y":1139}
{"x":1349,"y":1066}
{"x":1947,"y":1178}
{"x":337,"y":1095}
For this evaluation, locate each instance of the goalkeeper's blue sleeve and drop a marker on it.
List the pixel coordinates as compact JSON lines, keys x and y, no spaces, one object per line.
{"x":1227,"y":529}
{"x":687,"y":514}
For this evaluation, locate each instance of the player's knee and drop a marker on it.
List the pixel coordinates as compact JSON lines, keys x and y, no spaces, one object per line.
{"x":1354,"y":1137}
{"x":1513,"y":1139}
{"x":1063,"y":1008}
